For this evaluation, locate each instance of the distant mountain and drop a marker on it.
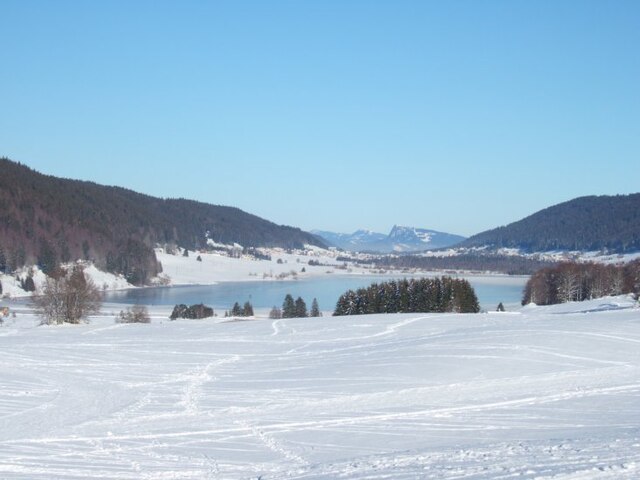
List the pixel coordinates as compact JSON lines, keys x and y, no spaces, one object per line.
{"x":400,"y":239}
{"x":583,"y":224}
{"x":351,"y":241}
{"x":45,"y":220}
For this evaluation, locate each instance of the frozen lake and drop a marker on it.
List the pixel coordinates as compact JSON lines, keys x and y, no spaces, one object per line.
{"x":490,"y":289}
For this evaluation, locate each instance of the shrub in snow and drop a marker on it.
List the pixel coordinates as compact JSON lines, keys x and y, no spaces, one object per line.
{"x":194,"y":311}
{"x":135,"y":314}
{"x":68,"y":298}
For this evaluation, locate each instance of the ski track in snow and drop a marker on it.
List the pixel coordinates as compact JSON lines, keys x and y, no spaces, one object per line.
{"x":532,"y":396}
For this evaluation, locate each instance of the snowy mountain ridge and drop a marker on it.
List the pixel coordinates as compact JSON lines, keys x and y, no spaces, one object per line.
{"x":400,"y":239}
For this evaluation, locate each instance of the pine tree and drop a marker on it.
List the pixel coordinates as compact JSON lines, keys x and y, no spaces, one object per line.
{"x":47,"y":257}
{"x":28,"y":285}
{"x":247,"y":310}
{"x":315,"y":310}
{"x":275,"y":313}
{"x":288,"y":307}
{"x":500,"y":307}
{"x":300,"y":308}
{"x":236,"y":311}
{"x":3,"y":261}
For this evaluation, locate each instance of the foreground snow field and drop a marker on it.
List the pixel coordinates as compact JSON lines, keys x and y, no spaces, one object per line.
{"x":546,"y":392}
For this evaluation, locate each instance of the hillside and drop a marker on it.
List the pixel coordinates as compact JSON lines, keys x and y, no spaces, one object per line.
{"x":399,"y":239}
{"x":585,"y":223}
{"x":45,"y":219}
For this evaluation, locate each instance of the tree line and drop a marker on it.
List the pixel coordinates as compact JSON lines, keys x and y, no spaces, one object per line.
{"x":443,"y":294}
{"x":570,"y":281}
{"x":473,"y":261}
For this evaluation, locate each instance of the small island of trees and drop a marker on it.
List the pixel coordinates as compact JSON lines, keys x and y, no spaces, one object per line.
{"x":444,"y":294}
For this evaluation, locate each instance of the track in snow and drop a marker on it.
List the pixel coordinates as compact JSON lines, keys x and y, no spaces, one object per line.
{"x":535,"y":395}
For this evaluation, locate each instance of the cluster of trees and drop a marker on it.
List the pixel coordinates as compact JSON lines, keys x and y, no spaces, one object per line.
{"x":586,"y":223}
{"x":295,"y":309}
{"x":196,"y":311}
{"x":238,"y":311}
{"x":444,"y":294}
{"x":571,"y":281}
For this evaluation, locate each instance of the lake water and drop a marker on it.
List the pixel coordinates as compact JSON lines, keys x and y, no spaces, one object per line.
{"x":490,"y":290}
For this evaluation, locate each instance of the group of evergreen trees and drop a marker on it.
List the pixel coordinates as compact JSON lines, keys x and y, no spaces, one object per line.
{"x":196,"y":311}
{"x":568,"y":282}
{"x":238,"y":311}
{"x":444,"y":294}
{"x":295,"y":309}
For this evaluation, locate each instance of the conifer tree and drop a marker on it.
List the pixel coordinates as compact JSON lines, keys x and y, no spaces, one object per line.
{"x":247,"y":310}
{"x":300,"y":308}
{"x":500,"y":307}
{"x":236,"y":311}
{"x":315,"y":309}
{"x":3,"y":260}
{"x":288,"y":307}
{"x":275,"y":313}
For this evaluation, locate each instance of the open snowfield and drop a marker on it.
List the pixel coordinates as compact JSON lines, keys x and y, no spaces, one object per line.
{"x":546,"y":392}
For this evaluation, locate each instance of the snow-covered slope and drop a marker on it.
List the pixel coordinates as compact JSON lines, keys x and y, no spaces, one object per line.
{"x":545,"y":392}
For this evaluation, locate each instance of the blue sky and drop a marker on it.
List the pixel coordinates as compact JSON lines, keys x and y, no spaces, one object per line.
{"x":455,"y":115}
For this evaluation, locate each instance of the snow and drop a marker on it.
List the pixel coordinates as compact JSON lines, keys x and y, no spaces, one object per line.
{"x":537,"y":393}
{"x":215,"y":267}
{"x":105,"y":281}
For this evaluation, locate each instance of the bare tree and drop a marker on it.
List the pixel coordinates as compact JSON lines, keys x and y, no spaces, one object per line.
{"x":134,"y":314}
{"x":68,"y":298}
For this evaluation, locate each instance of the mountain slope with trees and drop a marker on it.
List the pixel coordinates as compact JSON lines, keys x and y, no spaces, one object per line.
{"x":585,"y":224}
{"x":45,"y":220}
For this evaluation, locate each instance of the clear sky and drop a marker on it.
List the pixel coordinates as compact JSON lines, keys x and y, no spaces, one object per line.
{"x":453,"y":115}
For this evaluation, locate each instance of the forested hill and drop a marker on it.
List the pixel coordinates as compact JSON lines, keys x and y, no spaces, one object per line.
{"x":585,"y":223}
{"x":45,"y":219}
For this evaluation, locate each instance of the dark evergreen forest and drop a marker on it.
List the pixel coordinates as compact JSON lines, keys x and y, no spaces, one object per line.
{"x":46,"y":220}
{"x":444,"y":294}
{"x":588,"y":224}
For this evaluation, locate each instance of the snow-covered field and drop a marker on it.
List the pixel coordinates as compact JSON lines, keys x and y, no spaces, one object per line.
{"x":215,"y":267}
{"x":545,"y":392}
